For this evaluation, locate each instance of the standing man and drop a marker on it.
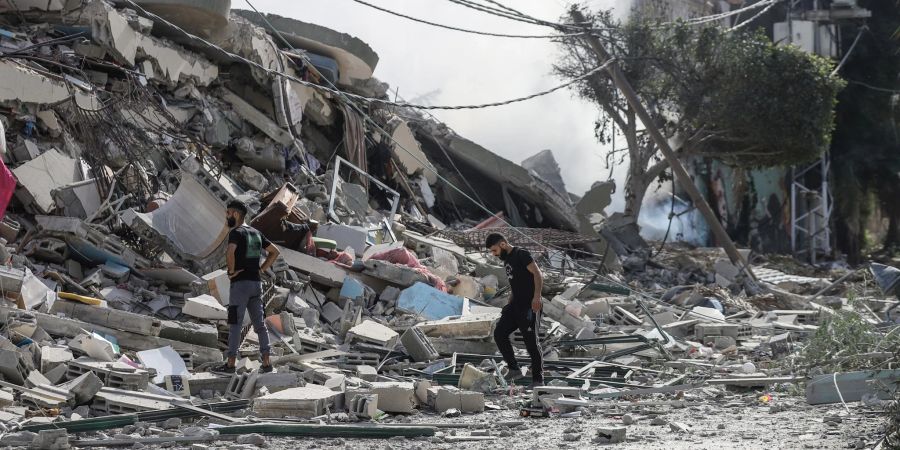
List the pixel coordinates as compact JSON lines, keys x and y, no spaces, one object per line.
{"x":245,"y":246}
{"x":522,"y":311}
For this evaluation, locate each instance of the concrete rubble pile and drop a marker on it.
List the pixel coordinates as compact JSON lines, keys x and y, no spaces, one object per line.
{"x":124,"y":138}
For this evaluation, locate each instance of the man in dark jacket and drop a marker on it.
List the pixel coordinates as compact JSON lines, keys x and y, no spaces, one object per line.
{"x":524,"y":307}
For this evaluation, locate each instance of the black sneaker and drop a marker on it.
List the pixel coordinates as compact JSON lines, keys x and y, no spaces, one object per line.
{"x":223,"y":368}
{"x":266,"y":369}
{"x":512,"y":375}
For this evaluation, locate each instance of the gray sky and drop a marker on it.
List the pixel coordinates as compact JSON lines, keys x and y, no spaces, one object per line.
{"x":446,"y":67}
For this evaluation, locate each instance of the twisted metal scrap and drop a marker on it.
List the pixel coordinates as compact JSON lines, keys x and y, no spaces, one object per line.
{"x":535,"y":238}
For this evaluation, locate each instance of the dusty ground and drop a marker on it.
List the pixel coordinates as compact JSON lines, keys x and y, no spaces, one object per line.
{"x":735,"y":421}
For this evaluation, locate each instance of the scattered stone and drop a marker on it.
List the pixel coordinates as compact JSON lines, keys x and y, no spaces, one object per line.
{"x":252,"y":439}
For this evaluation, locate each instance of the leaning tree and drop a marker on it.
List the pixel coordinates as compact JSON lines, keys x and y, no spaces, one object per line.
{"x":729,"y":95}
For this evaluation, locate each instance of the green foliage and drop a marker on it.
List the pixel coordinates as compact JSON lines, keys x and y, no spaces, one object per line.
{"x":733,"y":96}
{"x":767,"y":105}
{"x":841,"y":342}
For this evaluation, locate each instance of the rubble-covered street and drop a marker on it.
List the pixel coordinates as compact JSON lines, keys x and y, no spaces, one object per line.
{"x":129,"y":130}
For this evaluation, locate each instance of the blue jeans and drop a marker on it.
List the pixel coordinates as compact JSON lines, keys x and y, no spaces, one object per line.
{"x":246,"y":296}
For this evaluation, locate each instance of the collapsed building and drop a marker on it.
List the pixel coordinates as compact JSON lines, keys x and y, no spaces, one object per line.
{"x":127,"y":128}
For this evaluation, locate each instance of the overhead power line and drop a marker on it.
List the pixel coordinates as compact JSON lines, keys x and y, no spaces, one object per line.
{"x":850,"y":50}
{"x":465,"y":30}
{"x":874,"y":88}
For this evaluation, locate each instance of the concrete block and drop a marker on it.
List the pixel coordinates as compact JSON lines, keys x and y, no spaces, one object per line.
{"x":610,"y":435}
{"x":218,"y":285}
{"x":13,"y":367}
{"x":11,"y":280}
{"x":395,"y":397}
{"x":9,"y":229}
{"x":305,"y":402}
{"x":475,"y":326}
{"x":35,"y":378}
{"x":275,"y":382}
{"x":395,"y":274}
{"x":367,"y":373}
{"x":448,"y":397}
{"x":118,"y":401}
{"x":471,"y":375}
{"x":57,"y":374}
{"x":345,"y":236}
{"x":418,"y":346}
{"x":198,"y":334}
{"x":319,"y":271}
{"x":107,"y":317}
{"x":371,"y":332}
{"x":52,"y":357}
{"x":113,"y":374}
{"x":6,"y":399}
{"x":205,"y":307}
{"x":57,"y":439}
{"x":681,"y":329}
{"x":620,"y":316}
{"x":702,"y":330}
{"x":332,"y":313}
{"x":83,"y":388}
{"x":364,"y":406}
{"x":46,"y":396}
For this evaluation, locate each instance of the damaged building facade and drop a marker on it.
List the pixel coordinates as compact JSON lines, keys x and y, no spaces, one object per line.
{"x":127,"y":127}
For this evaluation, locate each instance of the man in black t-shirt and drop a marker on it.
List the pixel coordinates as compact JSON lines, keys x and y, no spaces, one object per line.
{"x":245,"y":247}
{"x":524,"y":307}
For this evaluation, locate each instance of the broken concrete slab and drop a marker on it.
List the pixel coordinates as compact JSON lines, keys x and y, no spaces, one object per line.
{"x":306,"y":402}
{"x":23,"y":85}
{"x":257,"y":118}
{"x":475,"y":326}
{"x":205,"y":307}
{"x":118,"y":401}
{"x":442,"y":398}
{"x":163,"y":62}
{"x":191,"y":222}
{"x":371,"y":332}
{"x":418,"y":346}
{"x":84,"y":387}
{"x":394,"y":397}
{"x":355,"y":58}
{"x":52,"y":356}
{"x":40,"y":176}
{"x":107,"y":317}
{"x":319,"y":271}
{"x":544,"y":165}
{"x":59,"y":326}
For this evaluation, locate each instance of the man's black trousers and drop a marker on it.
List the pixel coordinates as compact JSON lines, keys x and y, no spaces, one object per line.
{"x":528,"y":325}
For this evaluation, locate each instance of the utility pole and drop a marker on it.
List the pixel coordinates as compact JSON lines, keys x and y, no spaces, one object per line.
{"x":681,"y":175}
